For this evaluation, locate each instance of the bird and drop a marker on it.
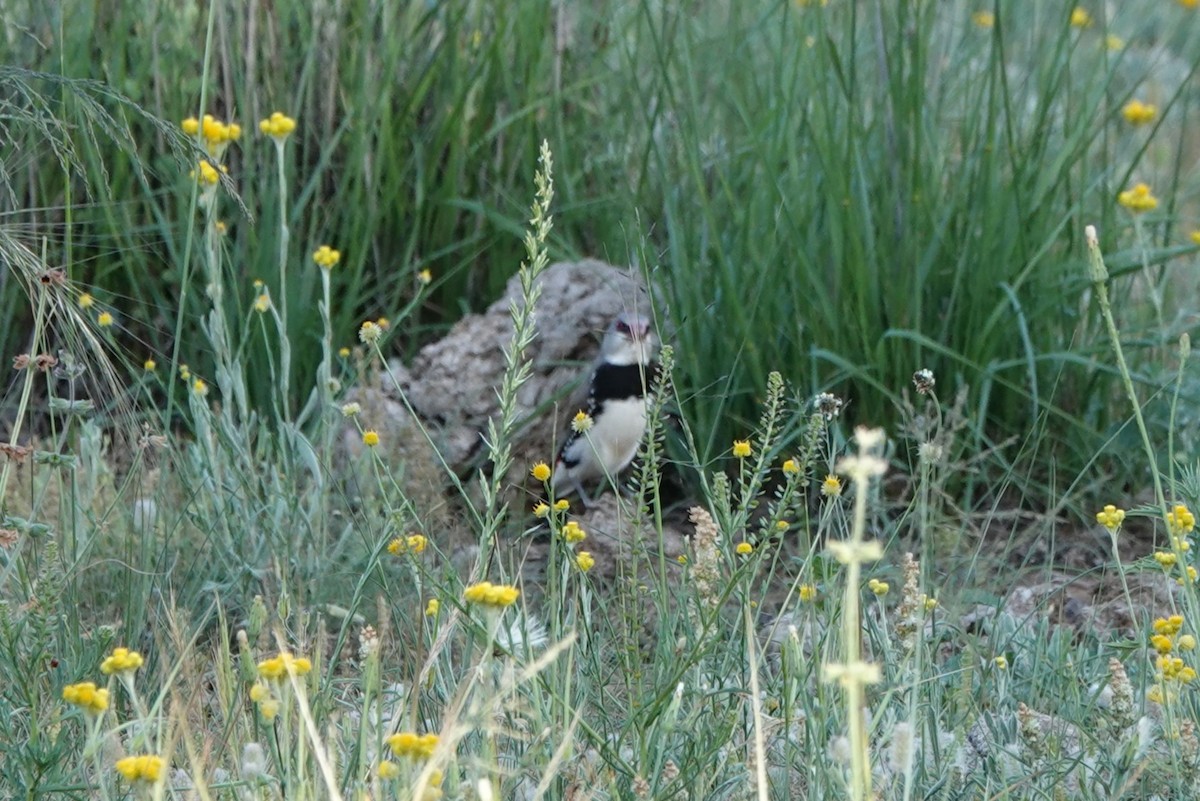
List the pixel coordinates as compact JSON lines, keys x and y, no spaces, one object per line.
{"x":605,"y":436}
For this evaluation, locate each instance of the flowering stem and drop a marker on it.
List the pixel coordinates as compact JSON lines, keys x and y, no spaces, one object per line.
{"x":285,"y":350}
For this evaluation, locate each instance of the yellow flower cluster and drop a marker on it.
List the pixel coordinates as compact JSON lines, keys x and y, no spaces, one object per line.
{"x":1171,"y":670}
{"x":414,"y":544}
{"x":411,"y":744}
{"x":741,"y":448}
{"x":1080,"y":18}
{"x":488,"y":594}
{"x":262,"y":303}
{"x":104,"y":319}
{"x":573,"y":533}
{"x":1110,"y":517}
{"x":432,"y":608}
{"x":584,"y":561}
{"x":121,"y":660}
{"x":1139,"y":199}
{"x":1165,"y":559}
{"x":326,"y":256}
{"x":206,"y":174}
{"x":278,"y":126}
{"x":791,"y":468}
{"x":87,"y":696}
{"x":878,"y":587}
{"x":541,"y":509}
{"x":1180,"y":521}
{"x":146,"y":768}
{"x":86,"y":301}
{"x":540,"y":471}
{"x":1136,"y":112}
{"x":808,"y":593}
{"x":214,"y":134}
{"x":277,"y":667}
{"x":744,"y":549}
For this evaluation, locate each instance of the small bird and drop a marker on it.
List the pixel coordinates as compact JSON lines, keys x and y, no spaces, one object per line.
{"x":605,"y":437}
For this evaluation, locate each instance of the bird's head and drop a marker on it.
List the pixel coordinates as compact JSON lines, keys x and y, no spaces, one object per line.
{"x":630,"y":339}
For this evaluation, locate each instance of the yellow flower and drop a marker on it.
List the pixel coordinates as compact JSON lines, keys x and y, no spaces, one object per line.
{"x":104,"y":319}
{"x":808,"y":592}
{"x":582,"y":422}
{"x":384,"y":323}
{"x":262,"y":303}
{"x":1114,"y":42}
{"x":1191,"y":576}
{"x":184,"y":372}
{"x":541,"y":509}
{"x":931,"y":604}
{"x":388,"y":770}
{"x":411,"y":744}
{"x":1138,"y":200}
{"x":205,"y":173}
{"x":782,"y":525}
{"x":425,"y":277}
{"x":414,"y":544}
{"x":149,"y":365}
{"x":984,"y":19}
{"x":1080,"y":18}
{"x":121,"y":660}
{"x":562,"y":505}
{"x":1165,"y":558}
{"x":200,"y":387}
{"x":682,"y":559}
{"x":1180,"y":520}
{"x":269,"y":708}
{"x":369,"y":333}
{"x":431,"y":608}
{"x":344,"y":353}
{"x":146,"y":768}
{"x":540,"y":471}
{"x":190,"y":126}
{"x":744,"y":548}
{"x":584,"y":561}
{"x":221,"y":227}
{"x":326,"y":257}
{"x":878,"y":587}
{"x":1136,"y":112}
{"x":1186,"y":642}
{"x":86,"y":301}
{"x":259,"y":692}
{"x":790,"y":468}
{"x":1162,"y":643}
{"x":1111,"y":517}
{"x":1188,"y":3}
{"x":370,"y":438}
{"x":1001,"y":662}
{"x":277,"y":667}
{"x":489,"y":594}
{"x":277,"y":126}
{"x":831,"y":487}
{"x":741,"y":448}
{"x":1168,"y":625}
{"x":86,"y":696}
{"x":572,"y":533}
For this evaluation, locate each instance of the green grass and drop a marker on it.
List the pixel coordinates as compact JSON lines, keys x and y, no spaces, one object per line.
{"x":827,"y":198}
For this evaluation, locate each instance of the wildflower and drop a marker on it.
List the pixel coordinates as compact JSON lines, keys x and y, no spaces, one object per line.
{"x":369,"y":333}
{"x":190,"y":126}
{"x":86,"y":696}
{"x":351,"y":409}
{"x":104,"y":319}
{"x":1168,"y":625}
{"x":1136,"y":112}
{"x":572,"y":533}
{"x":541,"y":509}
{"x":370,"y":438}
{"x":431,"y":608}
{"x":741,"y":448}
{"x":277,"y":126}
{"x":782,"y":525}
{"x":744,"y":549}
{"x":1186,"y":642}
{"x":584,"y":561}
{"x":146,"y":768}
{"x":411,"y":744}
{"x":494,"y":595}
{"x":582,"y":422}
{"x":1114,"y":42}
{"x":388,"y":770}
{"x":414,"y":544}
{"x":184,"y":372}
{"x":86,"y":301}
{"x":121,"y":661}
{"x":1191,"y":576}
{"x":924,"y":381}
{"x":221,"y":227}
{"x":931,"y":604}
{"x":262,"y":303}
{"x":200,"y":387}
{"x":1180,"y":520}
{"x":1138,"y":200}
{"x":1080,"y":18}
{"x":828,"y":405}
{"x":831,"y":487}
{"x":259,"y":692}
{"x":1001,"y":662}
{"x":326,"y":257}
{"x":1111,"y":517}
{"x":1162,"y":643}
{"x":791,"y":468}
{"x":344,"y":352}
{"x":205,"y":174}
{"x":808,"y":592}
{"x":984,"y":19}
{"x":1165,"y":559}
{"x":562,"y":505}
{"x":878,"y":587}
{"x":276,"y":667}
{"x":269,"y":709}
{"x":149,"y":365}
{"x":384,"y":323}
{"x":540,"y":471}
{"x":425,"y":277}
